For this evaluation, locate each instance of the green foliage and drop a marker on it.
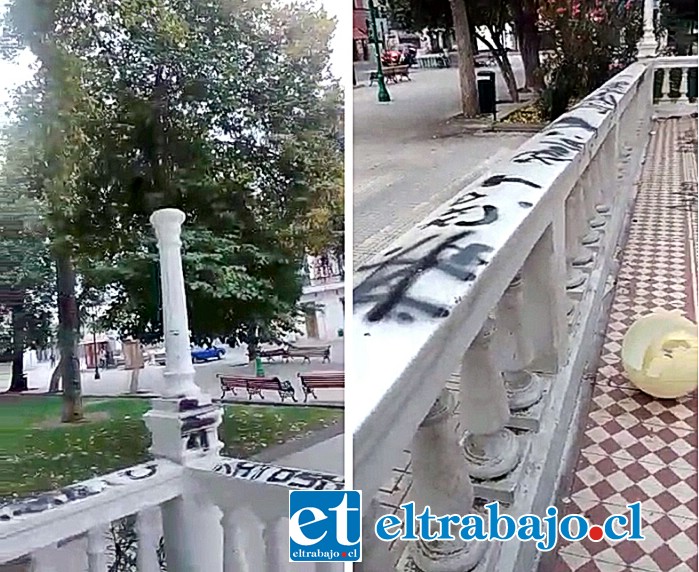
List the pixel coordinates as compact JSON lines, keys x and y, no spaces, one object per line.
{"x":223,"y":110}
{"x":593,"y":40}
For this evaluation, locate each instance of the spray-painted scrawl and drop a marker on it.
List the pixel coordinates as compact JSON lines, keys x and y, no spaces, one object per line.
{"x":283,"y":476}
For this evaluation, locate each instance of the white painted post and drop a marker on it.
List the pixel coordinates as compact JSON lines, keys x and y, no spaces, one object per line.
{"x":490,"y":449}
{"x":184,"y":424}
{"x":515,"y":350}
{"x":441,"y":481}
{"x":648,"y":46}
{"x":97,"y":549}
{"x":148,"y":531}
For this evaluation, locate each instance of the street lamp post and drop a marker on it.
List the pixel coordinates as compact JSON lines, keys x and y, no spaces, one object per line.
{"x":384,"y":96}
{"x":94,"y":350}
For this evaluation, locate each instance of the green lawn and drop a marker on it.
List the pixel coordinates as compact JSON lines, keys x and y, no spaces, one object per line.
{"x":40,"y":454}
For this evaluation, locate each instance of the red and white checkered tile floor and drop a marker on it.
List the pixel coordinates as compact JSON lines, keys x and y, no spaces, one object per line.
{"x":634,"y":447}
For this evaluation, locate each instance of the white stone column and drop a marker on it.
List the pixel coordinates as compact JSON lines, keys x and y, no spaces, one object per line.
{"x":648,"y":46}
{"x":97,"y":549}
{"x":148,"y":531}
{"x":441,"y":481}
{"x":490,"y":449}
{"x":179,"y":371}
{"x":515,"y":350}
{"x":184,"y":424}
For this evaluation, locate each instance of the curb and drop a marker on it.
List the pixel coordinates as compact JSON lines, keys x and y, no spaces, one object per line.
{"x":271,"y":454}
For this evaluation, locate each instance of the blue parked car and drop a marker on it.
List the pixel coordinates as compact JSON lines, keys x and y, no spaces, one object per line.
{"x":207,"y":354}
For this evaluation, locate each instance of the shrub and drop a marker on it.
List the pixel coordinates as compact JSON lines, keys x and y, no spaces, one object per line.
{"x":592,"y":41}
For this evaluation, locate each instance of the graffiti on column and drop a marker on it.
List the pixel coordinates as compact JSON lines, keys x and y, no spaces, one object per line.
{"x":283,"y":476}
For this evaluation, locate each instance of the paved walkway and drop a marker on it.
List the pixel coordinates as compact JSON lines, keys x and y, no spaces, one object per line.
{"x":634,"y":447}
{"x":403,"y":167}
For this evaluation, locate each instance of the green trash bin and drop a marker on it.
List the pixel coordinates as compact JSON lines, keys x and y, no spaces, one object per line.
{"x":486,"y":92}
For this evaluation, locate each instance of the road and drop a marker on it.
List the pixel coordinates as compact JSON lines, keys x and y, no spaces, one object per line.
{"x":403,"y":169}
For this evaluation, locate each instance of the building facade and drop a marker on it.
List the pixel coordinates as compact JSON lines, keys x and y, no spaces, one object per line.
{"x":323,"y":298}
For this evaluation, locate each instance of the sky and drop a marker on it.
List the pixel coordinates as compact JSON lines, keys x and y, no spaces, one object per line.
{"x":13,"y":74}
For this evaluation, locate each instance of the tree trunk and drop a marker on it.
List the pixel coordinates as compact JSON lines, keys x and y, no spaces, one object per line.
{"x":56,"y":377}
{"x":18,"y":381}
{"x":525,"y":16}
{"x":467,"y":67}
{"x":68,"y":331}
{"x":500,"y":54}
{"x":133,"y":385}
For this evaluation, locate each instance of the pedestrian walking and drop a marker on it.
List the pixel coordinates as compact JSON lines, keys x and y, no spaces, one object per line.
{"x":53,"y":359}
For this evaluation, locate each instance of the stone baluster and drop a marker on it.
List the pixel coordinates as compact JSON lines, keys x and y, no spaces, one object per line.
{"x":375,"y":553}
{"x":97,"y":549}
{"x":589,"y":187}
{"x":515,"y":349}
{"x":441,"y":481}
{"x":684,"y":86}
{"x":545,"y":301}
{"x":665,"y":93}
{"x":597,"y":196}
{"x":275,"y":536}
{"x":148,"y":531}
{"x":236,"y":547}
{"x":490,"y":449}
{"x":183,"y":424}
{"x":576,"y":255}
{"x":45,"y":559}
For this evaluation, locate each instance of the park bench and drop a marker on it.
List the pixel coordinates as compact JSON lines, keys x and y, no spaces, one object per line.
{"x":256,"y":385}
{"x":307,"y":352}
{"x":391,"y":73}
{"x":312,"y":380}
{"x":270,"y":354}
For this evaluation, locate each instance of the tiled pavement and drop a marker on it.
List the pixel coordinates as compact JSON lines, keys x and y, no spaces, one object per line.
{"x":634,"y":447}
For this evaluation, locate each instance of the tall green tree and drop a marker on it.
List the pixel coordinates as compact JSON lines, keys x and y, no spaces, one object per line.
{"x":224,"y":110}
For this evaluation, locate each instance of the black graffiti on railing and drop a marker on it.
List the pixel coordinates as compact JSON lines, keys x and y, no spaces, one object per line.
{"x":554,"y":151}
{"x":496,"y":180}
{"x":284,"y":476}
{"x":605,"y":98}
{"x":387,"y":287}
{"x":53,"y":499}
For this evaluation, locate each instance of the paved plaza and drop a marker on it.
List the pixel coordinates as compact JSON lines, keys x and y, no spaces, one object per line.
{"x":116,"y":381}
{"x":403,"y":167}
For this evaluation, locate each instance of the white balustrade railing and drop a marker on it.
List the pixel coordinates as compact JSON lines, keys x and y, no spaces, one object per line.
{"x":206,"y":511}
{"x":502,"y":288}
{"x":33,"y":528}
{"x":677,"y":80}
